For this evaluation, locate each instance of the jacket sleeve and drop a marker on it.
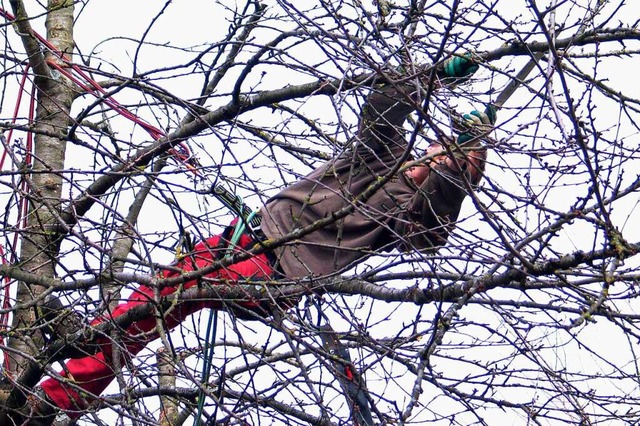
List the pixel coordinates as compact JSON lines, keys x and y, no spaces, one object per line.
{"x":384,"y":114}
{"x":431,"y":213}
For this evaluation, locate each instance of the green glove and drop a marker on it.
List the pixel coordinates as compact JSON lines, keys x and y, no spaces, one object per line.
{"x":477,"y":123}
{"x":458,"y":69}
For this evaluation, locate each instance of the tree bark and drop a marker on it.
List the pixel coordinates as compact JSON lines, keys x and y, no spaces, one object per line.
{"x":40,"y":247}
{"x":167,"y":379}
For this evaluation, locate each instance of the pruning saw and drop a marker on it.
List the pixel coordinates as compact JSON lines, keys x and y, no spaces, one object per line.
{"x":465,"y":130}
{"x":515,"y":82}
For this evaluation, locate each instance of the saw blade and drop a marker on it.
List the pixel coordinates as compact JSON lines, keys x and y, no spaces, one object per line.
{"x":513,"y":85}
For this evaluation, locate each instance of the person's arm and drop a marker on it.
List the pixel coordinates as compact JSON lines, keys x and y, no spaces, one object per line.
{"x":432,"y":212}
{"x":384,"y":113}
{"x":442,"y":183}
{"x":393,"y":99}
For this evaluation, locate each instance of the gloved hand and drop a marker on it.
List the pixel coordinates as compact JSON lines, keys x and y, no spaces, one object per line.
{"x":476,"y":124}
{"x":458,"y":69}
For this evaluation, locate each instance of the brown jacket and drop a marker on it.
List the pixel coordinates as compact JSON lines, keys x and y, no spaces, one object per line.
{"x":399,"y":215}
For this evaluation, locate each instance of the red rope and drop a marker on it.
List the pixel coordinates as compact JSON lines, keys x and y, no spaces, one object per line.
{"x":180,"y":152}
{"x":91,"y":85}
{"x":23,"y":205}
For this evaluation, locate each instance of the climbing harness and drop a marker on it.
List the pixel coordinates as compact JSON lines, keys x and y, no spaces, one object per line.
{"x":250,"y":218}
{"x":248,"y":221}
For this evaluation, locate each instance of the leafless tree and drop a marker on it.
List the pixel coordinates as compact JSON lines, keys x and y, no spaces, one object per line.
{"x":529,"y":313}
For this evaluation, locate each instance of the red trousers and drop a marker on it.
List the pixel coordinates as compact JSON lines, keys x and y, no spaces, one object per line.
{"x":94,"y":373}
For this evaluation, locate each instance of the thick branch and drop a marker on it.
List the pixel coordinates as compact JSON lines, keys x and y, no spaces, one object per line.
{"x":29,"y":41}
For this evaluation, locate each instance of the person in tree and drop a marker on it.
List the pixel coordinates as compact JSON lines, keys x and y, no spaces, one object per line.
{"x":384,"y":206}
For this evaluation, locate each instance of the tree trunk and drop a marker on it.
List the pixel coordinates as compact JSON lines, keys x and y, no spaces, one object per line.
{"x":40,"y":242}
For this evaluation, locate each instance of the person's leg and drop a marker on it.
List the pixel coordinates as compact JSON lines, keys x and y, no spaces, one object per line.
{"x":94,"y":373}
